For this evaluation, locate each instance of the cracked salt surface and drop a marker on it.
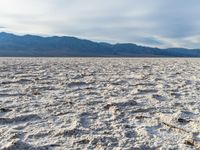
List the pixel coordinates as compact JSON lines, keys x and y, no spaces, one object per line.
{"x":99,"y":103}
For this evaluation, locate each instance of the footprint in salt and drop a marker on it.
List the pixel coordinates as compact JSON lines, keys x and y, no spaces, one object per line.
{"x":158,"y":97}
{"x":20,"y":119}
{"x":84,"y":120}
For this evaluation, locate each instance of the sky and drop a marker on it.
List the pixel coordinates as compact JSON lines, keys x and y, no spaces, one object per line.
{"x":155,"y":23}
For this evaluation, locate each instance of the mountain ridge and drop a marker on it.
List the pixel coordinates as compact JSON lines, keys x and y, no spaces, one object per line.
{"x":12,"y":45}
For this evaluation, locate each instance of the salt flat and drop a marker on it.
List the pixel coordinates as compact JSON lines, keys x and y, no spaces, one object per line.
{"x":99,"y":103}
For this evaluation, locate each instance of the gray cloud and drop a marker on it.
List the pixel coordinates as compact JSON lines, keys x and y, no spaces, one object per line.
{"x":162,"y":23}
{"x":177,"y":19}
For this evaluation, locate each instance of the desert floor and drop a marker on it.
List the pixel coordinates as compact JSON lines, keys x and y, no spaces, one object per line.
{"x":99,"y":103}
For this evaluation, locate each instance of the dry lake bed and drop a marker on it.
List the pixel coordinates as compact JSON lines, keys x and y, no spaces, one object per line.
{"x":99,"y":103}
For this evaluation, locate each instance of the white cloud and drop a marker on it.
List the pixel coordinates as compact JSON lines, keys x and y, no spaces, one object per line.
{"x":154,"y":23}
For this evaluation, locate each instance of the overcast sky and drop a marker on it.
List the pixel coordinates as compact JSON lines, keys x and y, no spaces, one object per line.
{"x":157,"y":23}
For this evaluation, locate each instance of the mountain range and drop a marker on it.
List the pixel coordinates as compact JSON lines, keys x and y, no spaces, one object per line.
{"x":12,"y":45}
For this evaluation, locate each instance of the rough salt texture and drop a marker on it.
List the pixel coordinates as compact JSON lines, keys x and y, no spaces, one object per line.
{"x":99,"y":103}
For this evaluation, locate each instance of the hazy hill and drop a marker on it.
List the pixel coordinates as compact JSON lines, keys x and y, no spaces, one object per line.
{"x":30,"y":45}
